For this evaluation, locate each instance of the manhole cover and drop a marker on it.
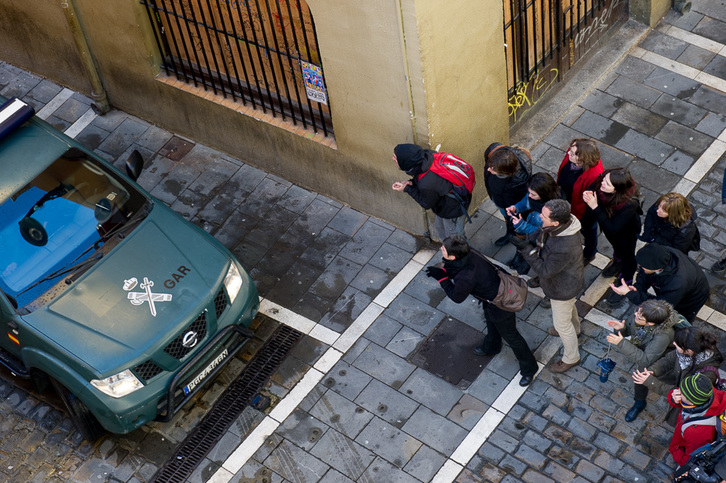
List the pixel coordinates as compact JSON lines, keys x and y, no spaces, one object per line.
{"x":176,"y":148}
{"x":447,"y":353}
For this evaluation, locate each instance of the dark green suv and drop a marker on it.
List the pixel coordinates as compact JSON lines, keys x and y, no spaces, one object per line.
{"x":123,"y":306}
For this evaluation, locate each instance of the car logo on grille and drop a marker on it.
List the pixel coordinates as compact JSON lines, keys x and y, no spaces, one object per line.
{"x":190,"y":339}
{"x":138,"y":298}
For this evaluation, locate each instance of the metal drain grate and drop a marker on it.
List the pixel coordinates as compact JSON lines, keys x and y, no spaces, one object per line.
{"x":229,"y":406}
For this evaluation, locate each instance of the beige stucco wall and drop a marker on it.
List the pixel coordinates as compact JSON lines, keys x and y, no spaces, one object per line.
{"x":396,"y":71}
{"x":649,"y":12}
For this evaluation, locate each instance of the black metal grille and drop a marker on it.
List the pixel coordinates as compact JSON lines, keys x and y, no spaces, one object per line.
{"x":176,"y":349}
{"x":251,"y":51}
{"x":228,"y":407}
{"x":147,"y":370}
{"x":220,"y":303}
{"x":545,"y":38}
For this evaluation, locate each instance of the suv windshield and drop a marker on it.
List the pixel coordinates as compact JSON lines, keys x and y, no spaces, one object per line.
{"x":58,"y":220}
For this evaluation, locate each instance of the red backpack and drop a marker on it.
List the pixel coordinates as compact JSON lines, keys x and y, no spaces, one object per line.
{"x":454,"y":169}
{"x":459,"y":173}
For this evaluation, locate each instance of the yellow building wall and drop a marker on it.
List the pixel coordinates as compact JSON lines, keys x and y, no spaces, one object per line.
{"x":396,"y":71}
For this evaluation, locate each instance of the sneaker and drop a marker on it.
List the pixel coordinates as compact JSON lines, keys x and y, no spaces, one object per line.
{"x":533,"y":282}
{"x":719,"y":266}
{"x":613,"y":268}
{"x":545,"y":303}
{"x":560,"y":366}
{"x":500,"y":242}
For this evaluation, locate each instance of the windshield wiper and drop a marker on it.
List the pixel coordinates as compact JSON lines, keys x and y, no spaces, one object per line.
{"x":83,"y":264}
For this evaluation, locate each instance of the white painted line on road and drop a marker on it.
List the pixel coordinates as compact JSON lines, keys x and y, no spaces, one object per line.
{"x":476,"y":437}
{"x":359,"y":326}
{"x":596,"y":290}
{"x":341,"y":344}
{"x":707,"y":160}
{"x":448,"y":472}
{"x":54,"y":103}
{"x":78,"y":126}
{"x":671,"y":65}
{"x":404,"y":277}
{"x":323,"y":334}
{"x":717,"y":319}
{"x":684,"y":187}
{"x":293,"y":398}
{"x":328,"y":360}
{"x":286,"y":316}
{"x":694,"y":39}
{"x":244,"y":451}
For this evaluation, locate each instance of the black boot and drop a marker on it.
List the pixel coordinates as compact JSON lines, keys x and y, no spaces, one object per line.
{"x":633,"y":412}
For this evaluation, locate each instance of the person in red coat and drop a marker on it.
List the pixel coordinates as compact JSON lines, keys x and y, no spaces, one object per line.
{"x":701,"y":406}
{"x":579,"y":170}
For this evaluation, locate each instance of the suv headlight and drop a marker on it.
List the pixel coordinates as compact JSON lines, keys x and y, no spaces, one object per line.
{"x":118,"y":385}
{"x":233,"y":282}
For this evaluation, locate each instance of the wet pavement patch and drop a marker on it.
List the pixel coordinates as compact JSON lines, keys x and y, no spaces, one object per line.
{"x":448,"y":353}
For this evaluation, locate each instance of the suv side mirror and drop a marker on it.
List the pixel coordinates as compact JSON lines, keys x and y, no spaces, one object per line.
{"x":134,"y":165}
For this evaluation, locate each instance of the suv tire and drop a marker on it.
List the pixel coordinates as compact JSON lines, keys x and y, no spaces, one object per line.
{"x":84,"y":421}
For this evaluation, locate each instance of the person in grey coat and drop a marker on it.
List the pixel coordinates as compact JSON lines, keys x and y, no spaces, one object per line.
{"x":651,"y":329}
{"x":557,"y":259}
{"x":696,"y":351}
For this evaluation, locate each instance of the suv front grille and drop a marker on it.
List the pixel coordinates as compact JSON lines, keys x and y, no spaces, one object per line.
{"x":220,"y":302}
{"x":147,"y":370}
{"x":176,"y":349}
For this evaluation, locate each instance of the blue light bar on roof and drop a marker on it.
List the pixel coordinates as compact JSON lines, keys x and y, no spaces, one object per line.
{"x":12,"y":114}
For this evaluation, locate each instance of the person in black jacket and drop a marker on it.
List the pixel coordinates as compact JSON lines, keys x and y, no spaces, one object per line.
{"x":430,"y":190}
{"x":465,"y":273}
{"x":613,"y":203}
{"x":671,"y":222}
{"x":506,"y":181}
{"x":674,"y":277}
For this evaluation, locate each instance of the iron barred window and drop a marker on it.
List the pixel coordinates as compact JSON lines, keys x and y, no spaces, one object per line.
{"x":259,"y":52}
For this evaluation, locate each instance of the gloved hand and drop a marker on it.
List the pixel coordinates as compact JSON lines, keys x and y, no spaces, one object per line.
{"x":438,"y":273}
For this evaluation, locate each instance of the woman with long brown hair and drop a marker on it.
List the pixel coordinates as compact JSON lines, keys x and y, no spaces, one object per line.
{"x":671,"y":222}
{"x":614,"y":203}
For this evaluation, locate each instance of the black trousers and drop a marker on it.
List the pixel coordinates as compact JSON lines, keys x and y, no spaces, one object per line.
{"x":503,"y":325}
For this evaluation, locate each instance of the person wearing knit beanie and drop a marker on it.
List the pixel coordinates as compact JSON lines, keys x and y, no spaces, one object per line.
{"x":673,"y":276}
{"x":701,"y":407}
{"x":653,"y":257}
{"x":696,"y":389}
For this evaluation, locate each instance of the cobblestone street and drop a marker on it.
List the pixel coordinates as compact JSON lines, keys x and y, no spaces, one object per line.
{"x":354,"y":401}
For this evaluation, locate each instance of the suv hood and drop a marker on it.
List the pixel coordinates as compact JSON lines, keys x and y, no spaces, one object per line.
{"x":106,"y":320}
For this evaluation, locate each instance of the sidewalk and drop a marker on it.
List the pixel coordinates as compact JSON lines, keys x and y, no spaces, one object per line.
{"x":371,"y":394}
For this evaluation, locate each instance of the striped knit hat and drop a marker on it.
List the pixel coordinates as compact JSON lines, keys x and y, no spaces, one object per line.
{"x":697,"y":389}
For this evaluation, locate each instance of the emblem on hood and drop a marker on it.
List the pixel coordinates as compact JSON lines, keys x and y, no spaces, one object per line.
{"x":138,"y":298}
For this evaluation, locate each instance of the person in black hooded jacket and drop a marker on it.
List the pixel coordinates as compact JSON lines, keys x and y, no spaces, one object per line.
{"x":430,"y":190}
{"x":614,"y":203}
{"x":465,"y":272}
{"x":674,"y":277}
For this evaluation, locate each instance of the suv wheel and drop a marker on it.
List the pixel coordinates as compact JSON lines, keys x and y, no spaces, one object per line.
{"x":84,"y":421}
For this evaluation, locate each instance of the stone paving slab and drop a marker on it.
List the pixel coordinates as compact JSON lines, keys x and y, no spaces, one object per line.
{"x":375,"y":416}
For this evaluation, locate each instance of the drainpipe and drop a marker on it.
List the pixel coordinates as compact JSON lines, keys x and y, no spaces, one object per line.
{"x":100,"y":103}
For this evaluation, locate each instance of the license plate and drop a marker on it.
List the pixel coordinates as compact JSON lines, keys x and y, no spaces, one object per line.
{"x":202,"y":375}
